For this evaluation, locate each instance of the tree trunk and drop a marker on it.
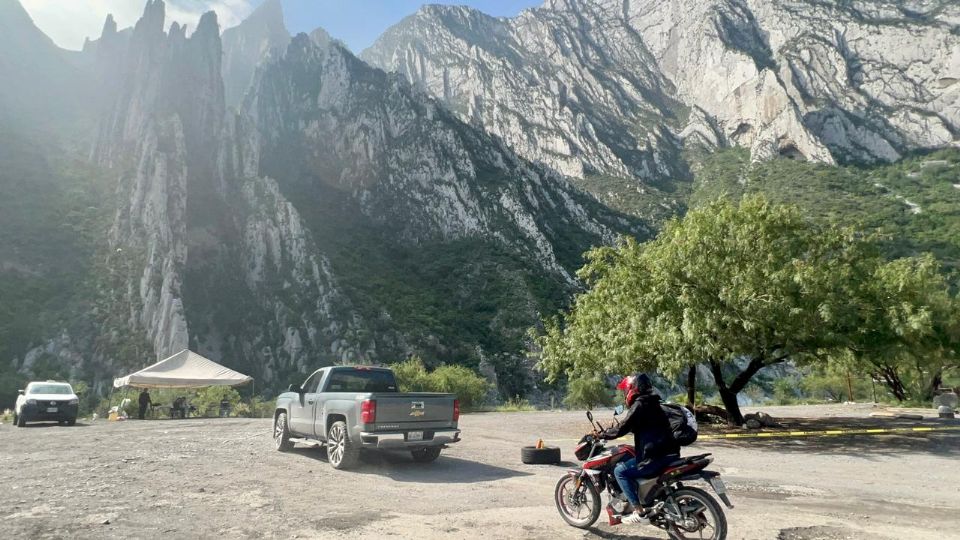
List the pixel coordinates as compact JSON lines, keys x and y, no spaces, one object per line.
{"x":728,"y":396}
{"x":692,"y":387}
{"x":892,"y":379}
{"x":930,"y":389}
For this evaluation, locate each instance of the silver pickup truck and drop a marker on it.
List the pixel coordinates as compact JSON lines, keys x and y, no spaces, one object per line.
{"x":354,"y":408}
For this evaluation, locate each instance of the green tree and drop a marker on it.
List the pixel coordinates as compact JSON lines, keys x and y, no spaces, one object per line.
{"x":907,"y":326}
{"x":738,"y":287}
{"x":588,"y":392}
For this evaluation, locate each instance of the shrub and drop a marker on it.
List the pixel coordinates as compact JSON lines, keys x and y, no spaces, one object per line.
{"x":411,"y":376}
{"x":255,"y":408}
{"x":681,"y":398}
{"x":469,"y":387}
{"x":588,"y":393}
{"x":785,"y":391}
{"x":208,"y":399}
{"x":516,"y":405}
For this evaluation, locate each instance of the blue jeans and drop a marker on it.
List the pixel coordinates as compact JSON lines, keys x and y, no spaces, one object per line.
{"x":628,"y":472}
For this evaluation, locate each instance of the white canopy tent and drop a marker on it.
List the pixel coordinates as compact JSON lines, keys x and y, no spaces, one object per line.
{"x":186,"y":369}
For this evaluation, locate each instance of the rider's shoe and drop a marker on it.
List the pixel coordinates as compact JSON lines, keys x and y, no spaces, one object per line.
{"x":635,"y":518}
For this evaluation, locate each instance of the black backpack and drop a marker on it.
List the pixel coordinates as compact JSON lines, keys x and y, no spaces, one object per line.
{"x":683,"y":423}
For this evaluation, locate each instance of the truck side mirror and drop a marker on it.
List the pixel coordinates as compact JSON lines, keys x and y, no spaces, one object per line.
{"x":20,"y":392}
{"x":295,"y":388}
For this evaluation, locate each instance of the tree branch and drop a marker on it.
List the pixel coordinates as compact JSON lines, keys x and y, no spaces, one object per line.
{"x":744,"y":377}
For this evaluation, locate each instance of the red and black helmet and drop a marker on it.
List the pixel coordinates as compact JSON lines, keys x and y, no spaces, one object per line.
{"x":634,"y":386}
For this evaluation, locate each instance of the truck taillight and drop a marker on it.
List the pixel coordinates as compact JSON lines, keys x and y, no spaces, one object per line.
{"x":456,"y":410}
{"x":368,"y":411}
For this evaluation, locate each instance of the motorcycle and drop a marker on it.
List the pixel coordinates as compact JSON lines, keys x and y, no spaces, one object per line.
{"x":684,"y":511}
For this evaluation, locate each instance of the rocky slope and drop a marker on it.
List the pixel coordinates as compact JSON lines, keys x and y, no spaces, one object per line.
{"x":40,"y":84}
{"x":339,"y":216}
{"x":619,"y":87}
{"x":279,"y":204}
{"x":260,"y":36}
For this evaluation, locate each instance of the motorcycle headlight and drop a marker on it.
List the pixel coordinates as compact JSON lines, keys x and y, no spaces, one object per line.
{"x":31,"y":402}
{"x":73,"y":401}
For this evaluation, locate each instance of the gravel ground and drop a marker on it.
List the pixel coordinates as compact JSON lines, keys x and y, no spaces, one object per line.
{"x":222,"y":478}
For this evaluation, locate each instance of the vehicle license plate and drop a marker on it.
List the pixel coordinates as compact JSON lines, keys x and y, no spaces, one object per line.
{"x":51,"y":409}
{"x":718,"y":486}
{"x":415,"y":436}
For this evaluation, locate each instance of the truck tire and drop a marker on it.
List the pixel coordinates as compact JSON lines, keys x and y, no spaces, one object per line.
{"x":342,"y":453}
{"x":426,"y":455}
{"x":281,"y":433}
{"x":20,"y":420}
{"x":548,"y":455}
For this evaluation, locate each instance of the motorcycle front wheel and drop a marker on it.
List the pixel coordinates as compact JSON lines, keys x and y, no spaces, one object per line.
{"x":702,"y":517}
{"x":578,"y":506}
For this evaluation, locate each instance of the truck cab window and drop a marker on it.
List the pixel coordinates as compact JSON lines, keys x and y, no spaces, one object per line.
{"x":361,"y":381}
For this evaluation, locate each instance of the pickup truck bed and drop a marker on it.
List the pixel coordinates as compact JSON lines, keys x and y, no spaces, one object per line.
{"x":353,"y":408}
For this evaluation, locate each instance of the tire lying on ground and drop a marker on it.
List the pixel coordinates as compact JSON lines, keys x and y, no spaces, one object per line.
{"x":548,"y":455}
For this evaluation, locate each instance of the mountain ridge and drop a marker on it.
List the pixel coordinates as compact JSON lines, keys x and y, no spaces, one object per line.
{"x":277,"y":203}
{"x":807,"y":79}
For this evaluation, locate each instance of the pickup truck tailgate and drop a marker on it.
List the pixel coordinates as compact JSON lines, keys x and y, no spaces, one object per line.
{"x":418,"y":408}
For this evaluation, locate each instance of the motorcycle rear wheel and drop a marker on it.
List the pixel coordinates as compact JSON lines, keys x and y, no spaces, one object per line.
{"x":580,"y":508}
{"x":707,"y":520}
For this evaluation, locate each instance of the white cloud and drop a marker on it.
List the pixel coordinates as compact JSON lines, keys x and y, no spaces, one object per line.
{"x":69,"y":22}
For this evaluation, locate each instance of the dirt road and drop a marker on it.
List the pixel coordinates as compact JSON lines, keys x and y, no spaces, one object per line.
{"x":222,"y":478}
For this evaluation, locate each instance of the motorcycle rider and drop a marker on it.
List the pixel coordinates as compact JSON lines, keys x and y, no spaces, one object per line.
{"x":653,"y":440}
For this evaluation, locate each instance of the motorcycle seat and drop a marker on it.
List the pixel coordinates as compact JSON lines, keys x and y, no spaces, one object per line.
{"x":690,"y":459}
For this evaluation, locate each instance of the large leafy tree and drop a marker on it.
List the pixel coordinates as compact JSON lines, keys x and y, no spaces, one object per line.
{"x":739,"y":287}
{"x":906,"y":329}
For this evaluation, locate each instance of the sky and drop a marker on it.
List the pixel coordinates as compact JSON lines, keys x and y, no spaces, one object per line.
{"x":356,"y":22}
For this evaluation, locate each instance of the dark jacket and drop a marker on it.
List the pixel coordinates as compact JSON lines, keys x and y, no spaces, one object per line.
{"x":145,"y":399}
{"x":652,"y":435}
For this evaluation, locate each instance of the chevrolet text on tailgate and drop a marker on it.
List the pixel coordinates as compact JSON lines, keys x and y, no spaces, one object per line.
{"x":354,"y":408}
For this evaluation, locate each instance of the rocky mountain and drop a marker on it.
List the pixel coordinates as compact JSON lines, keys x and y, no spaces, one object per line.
{"x":260,"y":36}
{"x":619,"y":88}
{"x":35,"y":72}
{"x":338,"y":216}
{"x":279,"y":204}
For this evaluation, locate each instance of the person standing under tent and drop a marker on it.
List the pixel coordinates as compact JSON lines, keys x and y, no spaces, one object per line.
{"x":144,"y":401}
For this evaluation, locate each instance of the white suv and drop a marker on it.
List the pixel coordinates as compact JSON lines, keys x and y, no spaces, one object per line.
{"x":46,"y":401}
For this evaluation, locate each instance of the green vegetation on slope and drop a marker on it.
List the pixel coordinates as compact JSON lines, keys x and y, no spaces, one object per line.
{"x":914,"y":204}
{"x":446,"y":298}
{"x":54,"y":215}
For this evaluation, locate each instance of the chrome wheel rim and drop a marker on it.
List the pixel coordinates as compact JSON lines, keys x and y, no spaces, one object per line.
{"x":278,"y":430}
{"x":335,"y":445}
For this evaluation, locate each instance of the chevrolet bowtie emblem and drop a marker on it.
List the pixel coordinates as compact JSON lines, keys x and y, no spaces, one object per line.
{"x":416,"y":408}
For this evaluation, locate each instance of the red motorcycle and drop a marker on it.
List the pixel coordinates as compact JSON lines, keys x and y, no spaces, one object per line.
{"x":685,"y":512}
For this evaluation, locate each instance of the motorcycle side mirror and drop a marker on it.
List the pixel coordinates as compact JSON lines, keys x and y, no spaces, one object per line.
{"x":590,"y":416}
{"x":618,"y":411}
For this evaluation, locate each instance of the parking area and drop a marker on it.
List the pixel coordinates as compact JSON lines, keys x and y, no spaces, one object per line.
{"x":222,"y":478}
